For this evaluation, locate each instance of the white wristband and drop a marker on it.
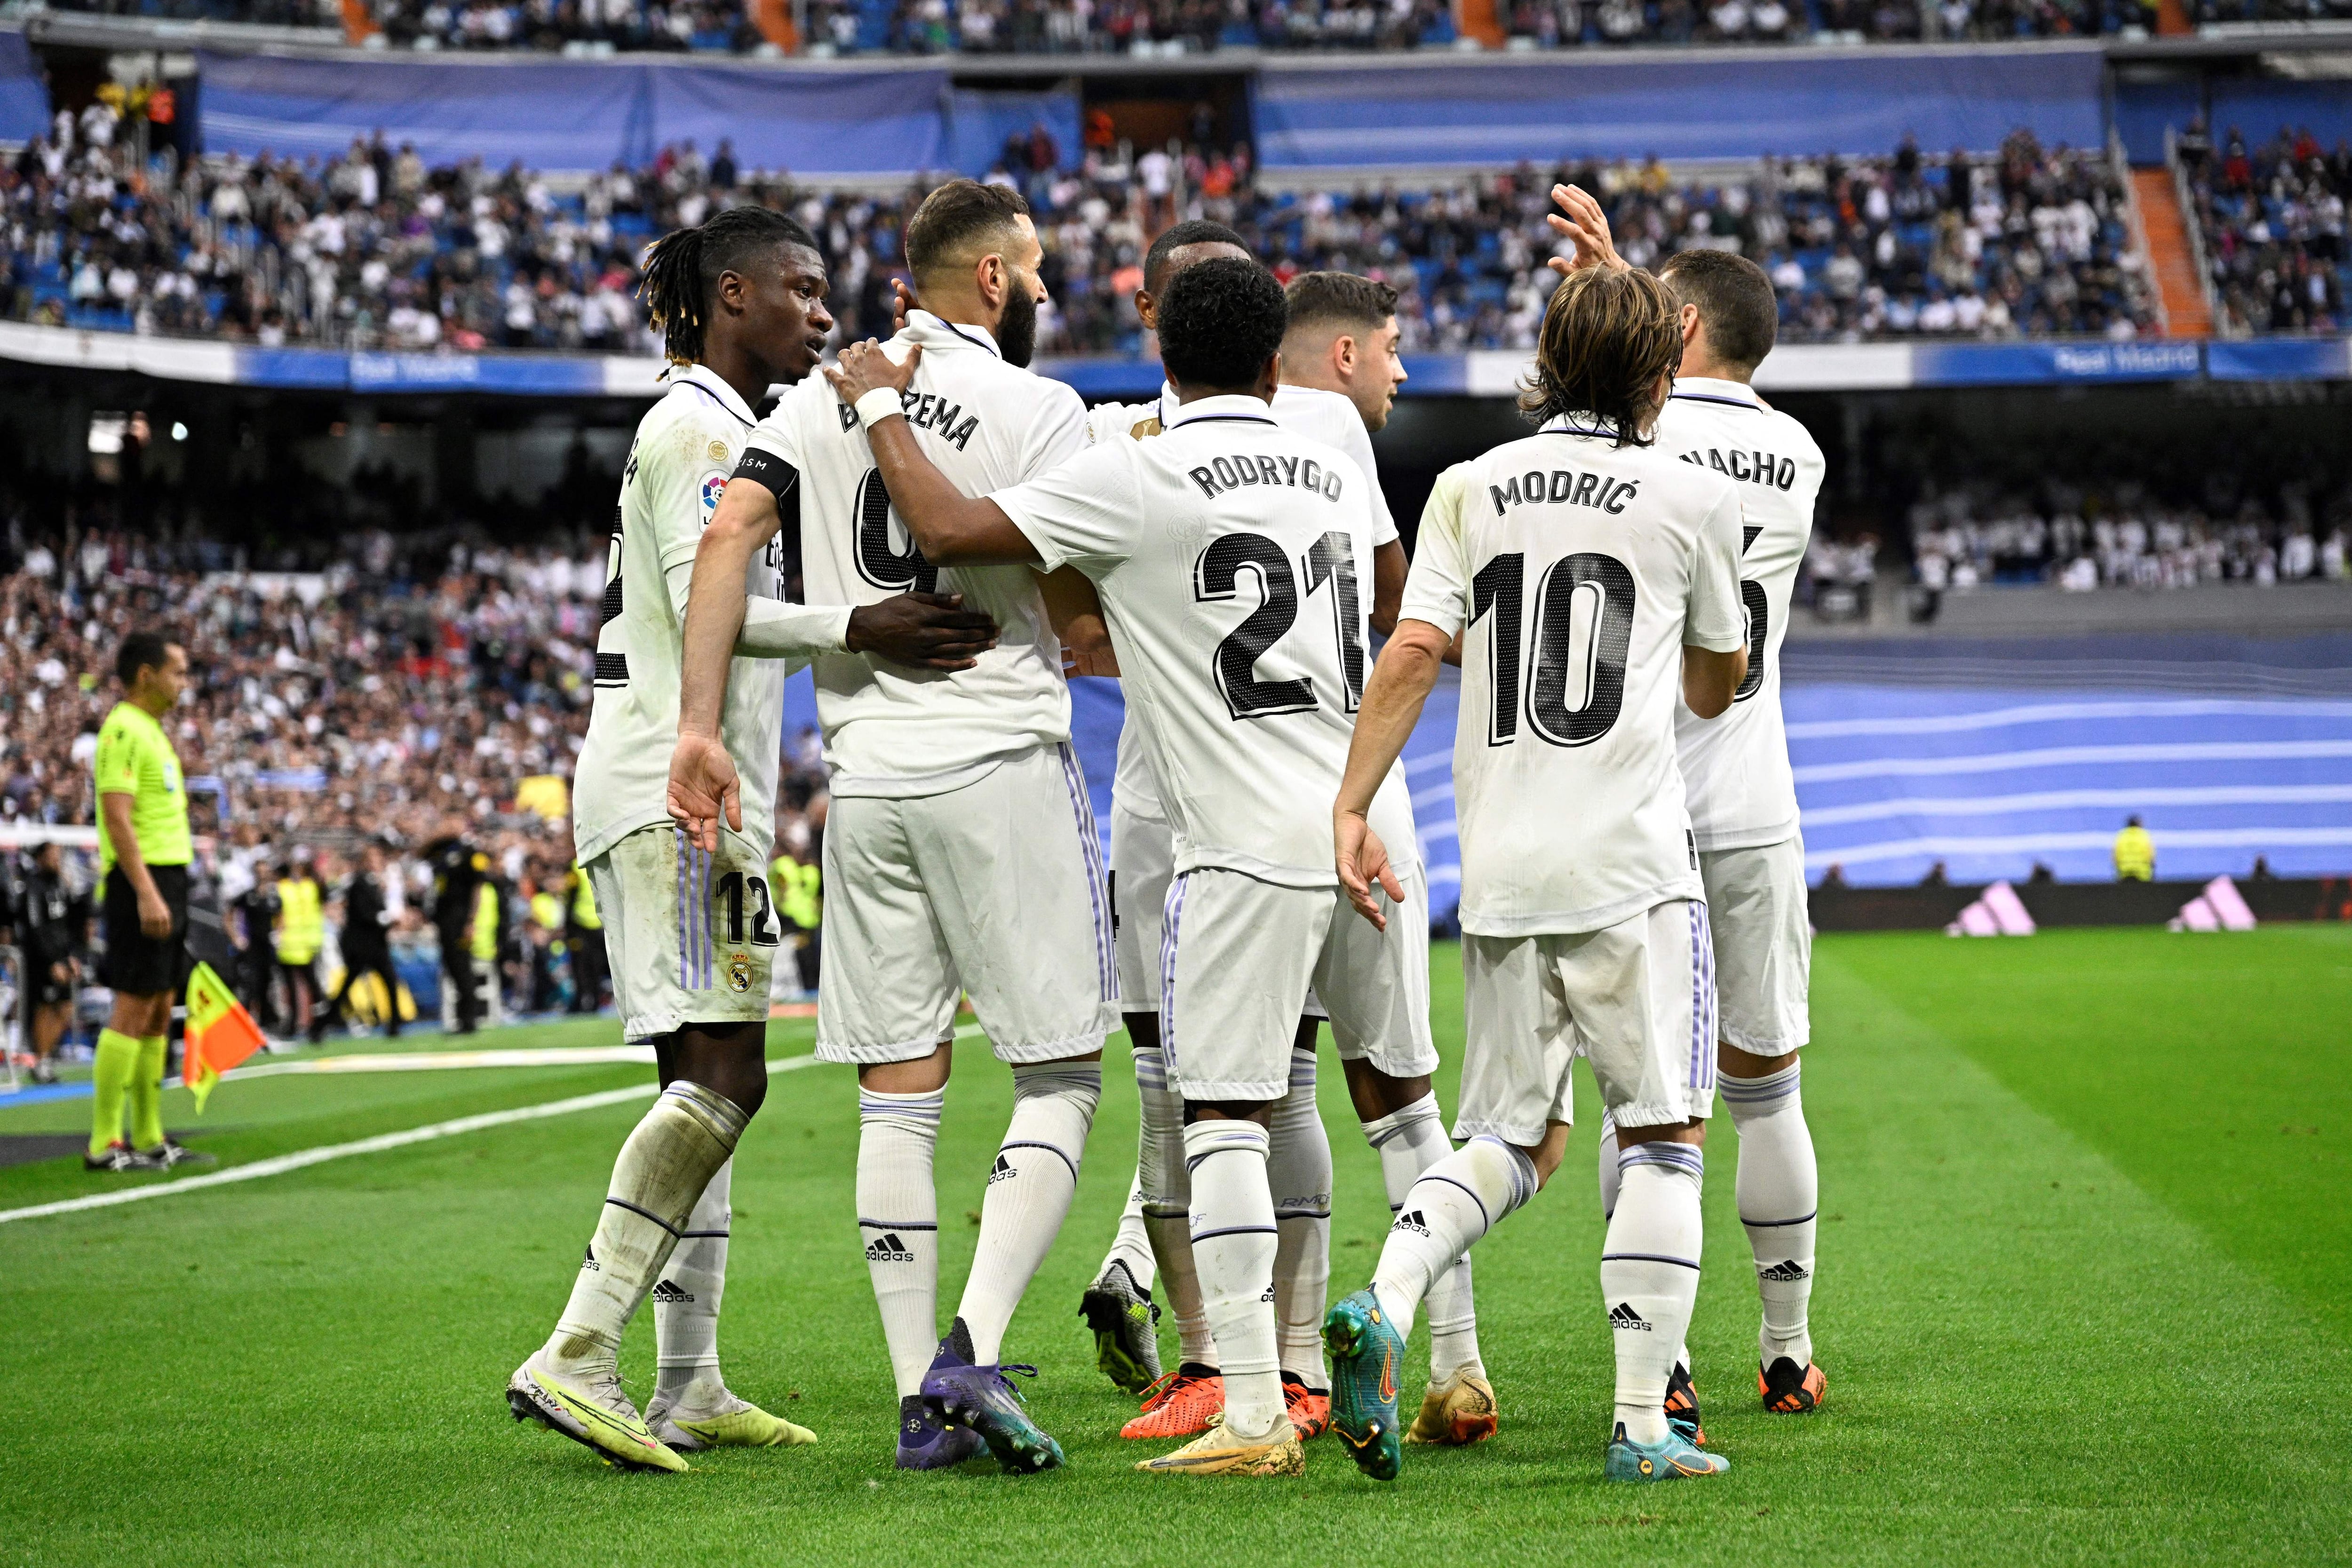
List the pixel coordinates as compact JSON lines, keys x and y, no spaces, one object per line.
{"x":878,"y":405}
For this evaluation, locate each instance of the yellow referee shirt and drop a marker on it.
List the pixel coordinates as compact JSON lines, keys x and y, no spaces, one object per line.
{"x":135,"y":758}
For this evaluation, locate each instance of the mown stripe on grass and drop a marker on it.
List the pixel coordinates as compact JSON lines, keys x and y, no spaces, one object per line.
{"x":279,"y":1165}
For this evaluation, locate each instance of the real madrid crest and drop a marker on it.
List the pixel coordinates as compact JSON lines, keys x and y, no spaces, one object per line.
{"x":739,"y":972}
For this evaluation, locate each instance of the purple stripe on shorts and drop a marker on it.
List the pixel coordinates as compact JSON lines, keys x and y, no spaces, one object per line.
{"x":1171,"y":916}
{"x":1090,"y":847}
{"x":684,"y":946}
{"x":1699,"y":986}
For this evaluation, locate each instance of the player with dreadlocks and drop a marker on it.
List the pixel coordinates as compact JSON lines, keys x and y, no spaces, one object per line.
{"x":740,"y":303}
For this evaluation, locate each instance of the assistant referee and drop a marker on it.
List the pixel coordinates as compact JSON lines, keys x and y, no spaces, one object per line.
{"x":144,"y":849}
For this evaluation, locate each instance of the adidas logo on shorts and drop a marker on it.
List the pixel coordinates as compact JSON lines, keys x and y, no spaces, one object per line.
{"x":1002,"y":1173}
{"x":589,"y":1265}
{"x":1411,"y":1220}
{"x":665,"y":1291}
{"x":1788,"y":1271}
{"x":887,"y":1248}
{"x":1623,"y":1316}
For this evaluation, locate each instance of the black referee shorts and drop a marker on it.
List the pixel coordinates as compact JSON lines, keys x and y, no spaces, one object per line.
{"x":136,"y":964}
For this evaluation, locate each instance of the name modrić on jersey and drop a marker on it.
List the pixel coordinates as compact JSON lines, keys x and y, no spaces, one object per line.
{"x":1231,"y":473}
{"x":1749,"y":468}
{"x":925,"y":411}
{"x":1564,"y":487}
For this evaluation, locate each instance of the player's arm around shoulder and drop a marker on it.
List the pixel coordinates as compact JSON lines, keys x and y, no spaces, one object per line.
{"x":1715,"y":621}
{"x":949,"y":527}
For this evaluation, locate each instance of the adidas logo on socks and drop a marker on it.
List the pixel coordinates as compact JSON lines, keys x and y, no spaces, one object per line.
{"x":1002,"y":1173}
{"x":665,"y":1291}
{"x":889,"y":1249}
{"x":589,"y":1265}
{"x":1789,"y":1270}
{"x":1623,"y":1316}
{"x":1413,"y":1221}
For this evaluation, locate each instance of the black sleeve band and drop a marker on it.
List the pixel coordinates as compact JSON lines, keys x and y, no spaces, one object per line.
{"x":768,"y":471}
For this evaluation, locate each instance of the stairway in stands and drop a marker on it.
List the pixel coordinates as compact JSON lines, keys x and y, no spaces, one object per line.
{"x":2185,"y":311}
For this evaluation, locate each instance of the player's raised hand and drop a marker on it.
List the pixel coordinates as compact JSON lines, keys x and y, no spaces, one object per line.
{"x":1585,"y":227}
{"x":902,"y":299}
{"x":704,"y":789}
{"x":929,"y":631}
{"x":863,"y":368}
{"x":1362,"y":860}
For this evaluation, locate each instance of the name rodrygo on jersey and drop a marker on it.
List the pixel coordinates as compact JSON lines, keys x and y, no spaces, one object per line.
{"x":1735,"y":768}
{"x":685,"y":448}
{"x":889,"y":730}
{"x":1319,"y":416}
{"x":1234,"y":558}
{"x":1581,"y":569}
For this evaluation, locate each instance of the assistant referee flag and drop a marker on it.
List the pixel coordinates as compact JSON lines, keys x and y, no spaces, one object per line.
{"x":221,"y":1033}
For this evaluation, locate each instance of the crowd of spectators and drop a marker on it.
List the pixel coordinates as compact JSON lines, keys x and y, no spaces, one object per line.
{"x":2272,"y":222}
{"x":374,"y":250}
{"x":1554,"y":24}
{"x":829,"y":28}
{"x":2125,"y":534}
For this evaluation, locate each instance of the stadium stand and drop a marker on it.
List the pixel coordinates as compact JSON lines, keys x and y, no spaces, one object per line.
{"x":2271,"y":214}
{"x":373,"y":249}
{"x":1148,"y":27}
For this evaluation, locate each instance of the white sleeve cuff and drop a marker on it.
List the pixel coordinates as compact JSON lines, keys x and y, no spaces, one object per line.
{"x":775,"y":630}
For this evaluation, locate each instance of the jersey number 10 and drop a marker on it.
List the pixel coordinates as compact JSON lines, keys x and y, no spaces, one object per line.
{"x":1561,"y":666}
{"x":1216,"y":576}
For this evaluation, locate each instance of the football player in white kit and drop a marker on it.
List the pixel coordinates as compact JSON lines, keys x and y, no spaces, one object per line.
{"x":1597,"y":577}
{"x":1229,"y":554}
{"x":1341,"y":372}
{"x":959,"y":851}
{"x":742,"y":303}
{"x":1743,"y":804}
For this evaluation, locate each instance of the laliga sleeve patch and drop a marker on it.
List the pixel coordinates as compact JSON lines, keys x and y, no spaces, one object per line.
{"x":713,"y":486}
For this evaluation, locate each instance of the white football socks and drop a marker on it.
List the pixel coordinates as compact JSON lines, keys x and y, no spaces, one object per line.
{"x":1029,"y":1192}
{"x":1778,"y":1187}
{"x":1649,"y":1277}
{"x":898,"y":1220}
{"x":1409,"y":1141}
{"x":1234,"y":1240}
{"x":1455,"y":1203}
{"x":686,"y":1298}
{"x":662,"y":1171}
{"x":1168,"y":1206}
{"x":1131,"y":1245}
{"x":1298,"y":1170}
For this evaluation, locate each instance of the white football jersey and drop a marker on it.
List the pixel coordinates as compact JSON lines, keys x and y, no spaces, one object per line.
{"x":890,"y":730}
{"x":1582,"y":570}
{"x":685,"y":448}
{"x":1234,"y":558}
{"x":1735,"y":768}
{"x":1324,"y":417}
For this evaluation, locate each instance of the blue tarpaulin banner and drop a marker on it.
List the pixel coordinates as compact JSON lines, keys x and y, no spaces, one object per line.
{"x":817,"y":125}
{"x":575,"y":115}
{"x":24,"y":93}
{"x":2027,"y":364}
{"x":1496,"y":113}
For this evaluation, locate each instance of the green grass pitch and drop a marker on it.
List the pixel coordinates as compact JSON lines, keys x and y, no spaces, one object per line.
{"x":2085,"y":1296}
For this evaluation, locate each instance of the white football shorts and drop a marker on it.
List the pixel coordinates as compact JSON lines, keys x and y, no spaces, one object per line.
{"x":997,"y":889}
{"x":1763,"y":944}
{"x":690,"y":937}
{"x":1239,"y":957}
{"x":1635,"y":999}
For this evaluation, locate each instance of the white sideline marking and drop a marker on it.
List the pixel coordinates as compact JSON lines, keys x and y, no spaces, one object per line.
{"x":434,"y":1061}
{"x":280,"y":1163}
